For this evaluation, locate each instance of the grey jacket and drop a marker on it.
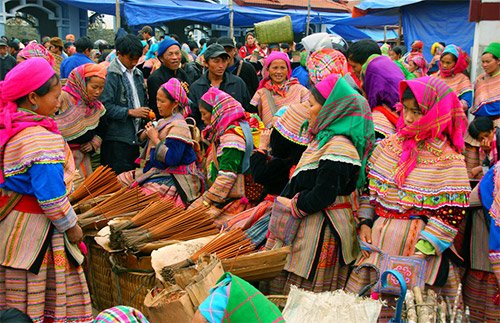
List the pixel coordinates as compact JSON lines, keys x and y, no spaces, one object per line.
{"x":117,"y":125}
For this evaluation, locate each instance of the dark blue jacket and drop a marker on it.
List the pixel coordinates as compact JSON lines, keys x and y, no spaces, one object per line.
{"x":117,"y":125}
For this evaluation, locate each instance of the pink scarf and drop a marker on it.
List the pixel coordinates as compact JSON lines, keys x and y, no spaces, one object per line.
{"x":226,"y":112}
{"x":19,"y":82}
{"x":271,"y":58}
{"x":443,"y":118}
{"x":176,"y":89}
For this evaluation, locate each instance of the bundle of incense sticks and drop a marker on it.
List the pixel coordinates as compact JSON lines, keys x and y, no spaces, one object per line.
{"x":102,"y":181}
{"x":184,"y":225}
{"x":156,"y":212}
{"x":124,"y":202}
{"x":227,"y":245}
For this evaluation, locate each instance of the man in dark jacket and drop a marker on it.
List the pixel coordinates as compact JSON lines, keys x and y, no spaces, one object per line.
{"x":216,"y":60}
{"x":124,"y":97}
{"x":238,"y":66}
{"x":169,"y":54}
{"x":7,"y":62}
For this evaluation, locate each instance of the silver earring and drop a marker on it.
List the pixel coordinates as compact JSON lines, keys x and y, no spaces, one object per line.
{"x":34,"y":107}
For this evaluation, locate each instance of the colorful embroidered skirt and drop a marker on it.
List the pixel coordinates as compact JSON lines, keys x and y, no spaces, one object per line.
{"x":329,"y":275}
{"x":57,"y":294}
{"x":480,"y":287}
{"x":82,"y":162}
{"x":397,"y":237}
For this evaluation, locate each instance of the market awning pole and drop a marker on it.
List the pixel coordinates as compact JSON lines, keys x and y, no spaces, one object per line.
{"x":308,"y":16}
{"x":385,"y":34}
{"x":400,"y":29}
{"x":231,"y":20}
{"x":118,"y":18}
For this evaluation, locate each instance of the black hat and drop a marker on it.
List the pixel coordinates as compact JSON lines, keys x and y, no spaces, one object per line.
{"x":2,"y":43}
{"x":225,"y":42}
{"x":215,"y":50}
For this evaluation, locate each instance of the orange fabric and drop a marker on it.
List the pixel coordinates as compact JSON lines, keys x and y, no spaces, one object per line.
{"x":391,"y":116}
{"x":95,"y":70}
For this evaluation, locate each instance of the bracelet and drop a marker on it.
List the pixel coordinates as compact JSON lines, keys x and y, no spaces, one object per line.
{"x":206,"y":203}
{"x":367,"y":222}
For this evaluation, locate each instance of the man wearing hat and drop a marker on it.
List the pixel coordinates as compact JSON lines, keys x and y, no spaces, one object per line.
{"x":147,"y":35}
{"x":7,"y":62}
{"x":56,"y":47}
{"x":238,"y":66}
{"x":169,"y":54}
{"x":216,"y":61}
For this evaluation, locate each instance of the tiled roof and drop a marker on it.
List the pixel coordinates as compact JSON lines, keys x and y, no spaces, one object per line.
{"x":319,"y":5}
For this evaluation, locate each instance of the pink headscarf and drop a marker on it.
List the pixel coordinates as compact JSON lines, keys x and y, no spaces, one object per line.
{"x":34,"y":49}
{"x":20,"y":81}
{"x":443,"y":118}
{"x":175,"y":89}
{"x":271,"y":58}
{"x":226,"y":111}
{"x":326,"y":86}
{"x":420,"y":61}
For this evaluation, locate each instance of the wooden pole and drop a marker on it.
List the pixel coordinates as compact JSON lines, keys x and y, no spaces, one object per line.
{"x":231,"y":20}
{"x":308,"y":17}
{"x":118,"y":15}
{"x":400,"y":29}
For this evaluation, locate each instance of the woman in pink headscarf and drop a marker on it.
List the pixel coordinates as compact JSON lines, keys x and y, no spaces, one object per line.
{"x":277,"y":89}
{"x":169,"y":154}
{"x":34,"y":49}
{"x":417,"y":65}
{"x":418,"y":192}
{"x":40,"y":272}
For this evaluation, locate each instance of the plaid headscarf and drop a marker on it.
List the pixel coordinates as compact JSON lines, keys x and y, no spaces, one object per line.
{"x":121,"y":314}
{"x":324,"y":62}
{"x":235,"y":300}
{"x":420,"y":61}
{"x":76,"y":85}
{"x":346,"y":113}
{"x":443,"y":117}
{"x":226,"y":111}
{"x":34,"y":49}
{"x":461,"y":64}
{"x":175,"y":89}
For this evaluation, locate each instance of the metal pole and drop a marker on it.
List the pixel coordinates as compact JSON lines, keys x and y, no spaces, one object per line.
{"x":118,"y":17}
{"x":385,"y":34}
{"x":308,"y":16}
{"x":231,"y":20}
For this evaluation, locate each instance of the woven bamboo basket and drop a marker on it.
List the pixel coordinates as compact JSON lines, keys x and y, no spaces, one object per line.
{"x":278,"y":300}
{"x":261,"y":265}
{"x":131,"y":285}
{"x":98,"y":273}
{"x":275,"y":31}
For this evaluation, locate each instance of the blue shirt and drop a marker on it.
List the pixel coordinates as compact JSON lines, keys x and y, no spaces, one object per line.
{"x":72,"y":62}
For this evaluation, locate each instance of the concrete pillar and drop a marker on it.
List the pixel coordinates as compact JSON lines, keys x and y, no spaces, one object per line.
{"x":485,"y":33}
{"x":2,"y":28}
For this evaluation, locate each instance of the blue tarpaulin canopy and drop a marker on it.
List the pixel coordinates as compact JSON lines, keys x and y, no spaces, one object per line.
{"x":107,"y":7}
{"x":352,"y":33}
{"x":141,"y":12}
{"x":384,"y":4}
{"x":434,"y":21}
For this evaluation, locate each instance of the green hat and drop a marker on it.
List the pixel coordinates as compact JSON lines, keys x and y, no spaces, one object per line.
{"x":494,"y":49}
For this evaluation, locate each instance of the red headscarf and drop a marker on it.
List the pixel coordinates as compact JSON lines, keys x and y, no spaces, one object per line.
{"x":19,"y":82}
{"x":443,"y":118}
{"x":34,"y":49}
{"x":175,"y":89}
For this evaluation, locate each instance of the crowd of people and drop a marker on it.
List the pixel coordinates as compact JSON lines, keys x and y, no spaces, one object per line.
{"x":349,"y":154}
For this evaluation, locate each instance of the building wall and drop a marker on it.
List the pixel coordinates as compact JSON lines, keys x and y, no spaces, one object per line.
{"x":54,"y":18}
